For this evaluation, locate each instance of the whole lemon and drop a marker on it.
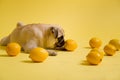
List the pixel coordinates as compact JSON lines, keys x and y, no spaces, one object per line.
{"x":109,"y":49}
{"x":116,"y":43}
{"x":95,"y":42}
{"x":13,"y":49}
{"x":98,"y":51}
{"x":94,"y":57}
{"x":70,"y":45}
{"x":38,"y":54}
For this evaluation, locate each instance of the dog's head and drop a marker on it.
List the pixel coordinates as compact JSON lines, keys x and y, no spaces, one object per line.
{"x":58,"y":33}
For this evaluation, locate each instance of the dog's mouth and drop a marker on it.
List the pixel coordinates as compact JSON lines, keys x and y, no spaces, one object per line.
{"x":60,"y":42}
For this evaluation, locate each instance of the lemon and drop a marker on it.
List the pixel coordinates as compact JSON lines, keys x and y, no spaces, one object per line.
{"x":109,"y":49}
{"x":95,"y":42}
{"x":98,"y":51}
{"x":94,"y":57}
{"x":116,"y":43}
{"x":13,"y":49}
{"x":70,"y":45}
{"x":38,"y":54}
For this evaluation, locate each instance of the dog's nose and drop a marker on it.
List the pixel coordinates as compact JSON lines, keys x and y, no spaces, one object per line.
{"x":60,"y":42}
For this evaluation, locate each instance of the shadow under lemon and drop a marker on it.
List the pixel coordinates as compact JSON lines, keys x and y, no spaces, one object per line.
{"x":3,"y":48}
{"x":85,"y":63}
{"x":27,"y":61}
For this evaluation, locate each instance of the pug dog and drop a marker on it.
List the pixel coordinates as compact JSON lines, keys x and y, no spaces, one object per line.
{"x":30,"y":36}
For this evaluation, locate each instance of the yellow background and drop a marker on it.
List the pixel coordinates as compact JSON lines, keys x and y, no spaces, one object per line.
{"x":81,"y":20}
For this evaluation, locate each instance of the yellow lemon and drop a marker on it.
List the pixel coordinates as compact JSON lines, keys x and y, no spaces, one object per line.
{"x":95,"y":42}
{"x":70,"y":45}
{"x":116,"y":43}
{"x":13,"y":49}
{"x":38,"y":54}
{"x":109,"y":49}
{"x":94,"y":58}
{"x":98,"y":51}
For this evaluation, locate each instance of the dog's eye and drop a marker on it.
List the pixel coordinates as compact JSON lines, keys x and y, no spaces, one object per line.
{"x":54,"y":31}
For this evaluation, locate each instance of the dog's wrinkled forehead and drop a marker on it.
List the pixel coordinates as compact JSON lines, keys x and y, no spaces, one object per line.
{"x":57,"y":30}
{"x":59,"y":35}
{"x":60,"y":31}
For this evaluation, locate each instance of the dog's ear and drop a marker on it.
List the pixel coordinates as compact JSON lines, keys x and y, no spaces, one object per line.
{"x":19,"y":24}
{"x":54,"y":31}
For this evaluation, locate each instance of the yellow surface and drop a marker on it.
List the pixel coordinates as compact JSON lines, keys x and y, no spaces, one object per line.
{"x":81,"y":20}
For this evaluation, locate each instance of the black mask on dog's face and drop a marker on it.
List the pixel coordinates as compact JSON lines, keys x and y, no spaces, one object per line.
{"x":60,"y":40}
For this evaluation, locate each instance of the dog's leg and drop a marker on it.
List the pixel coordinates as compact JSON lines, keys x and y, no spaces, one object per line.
{"x":29,"y":45}
{"x":52,"y":53}
{"x":32,"y":44}
{"x":5,"y":41}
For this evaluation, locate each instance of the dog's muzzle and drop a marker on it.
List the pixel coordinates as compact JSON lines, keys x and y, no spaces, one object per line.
{"x":60,"y":42}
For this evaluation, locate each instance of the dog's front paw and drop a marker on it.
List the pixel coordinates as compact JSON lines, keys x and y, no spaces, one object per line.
{"x":52,"y":53}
